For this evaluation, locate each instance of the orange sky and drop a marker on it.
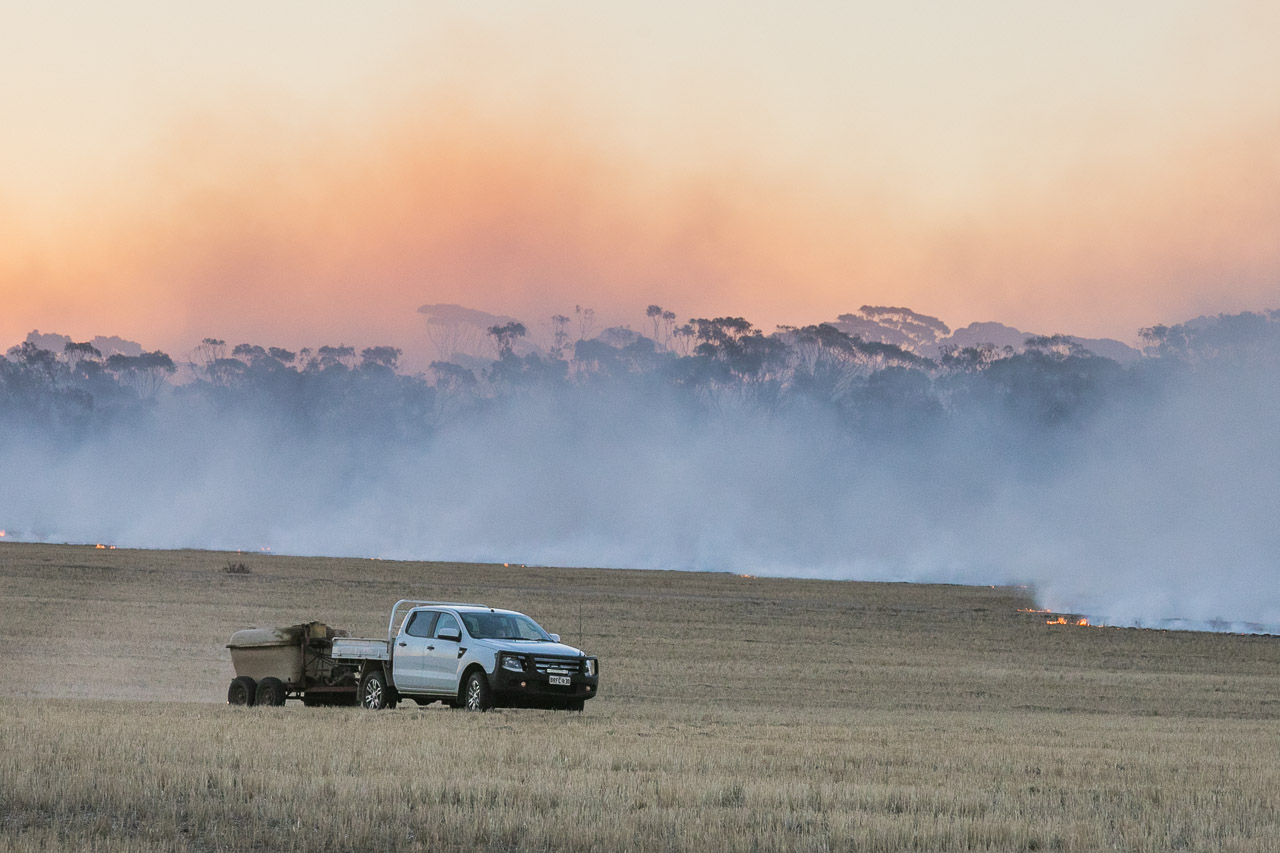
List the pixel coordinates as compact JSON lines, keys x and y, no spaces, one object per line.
{"x":523,"y":167}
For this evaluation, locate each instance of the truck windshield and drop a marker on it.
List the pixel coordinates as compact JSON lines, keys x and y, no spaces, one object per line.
{"x":503,"y":626}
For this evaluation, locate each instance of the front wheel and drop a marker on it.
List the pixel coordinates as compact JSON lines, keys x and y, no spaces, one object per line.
{"x":476,"y":696}
{"x":374,"y":693}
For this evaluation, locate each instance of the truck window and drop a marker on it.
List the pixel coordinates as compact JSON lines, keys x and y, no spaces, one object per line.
{"x":503,"y":626}
{"x":420,"y":623}
{"x":447,"y":625}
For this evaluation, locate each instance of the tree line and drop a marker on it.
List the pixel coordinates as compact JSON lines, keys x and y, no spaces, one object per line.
{"x":721,"y":364}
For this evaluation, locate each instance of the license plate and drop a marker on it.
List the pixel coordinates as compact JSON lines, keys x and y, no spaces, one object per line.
{"x":560,"y":680}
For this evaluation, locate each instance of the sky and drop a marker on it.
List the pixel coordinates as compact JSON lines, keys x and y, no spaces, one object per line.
{"x":306,"y":173}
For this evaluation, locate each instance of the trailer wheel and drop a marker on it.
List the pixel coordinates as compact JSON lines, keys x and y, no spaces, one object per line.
{"x":374,"y":693}
{"x":243,"y":691}
{"x":477,"y":696}
{"x":271,"y":691}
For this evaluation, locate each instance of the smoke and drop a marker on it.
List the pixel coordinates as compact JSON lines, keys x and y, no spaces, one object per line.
{"x":1168,"y":510}
{"x":1148,"y":499}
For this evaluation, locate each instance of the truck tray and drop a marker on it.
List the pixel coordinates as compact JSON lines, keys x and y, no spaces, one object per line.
{"x":360,"y":648}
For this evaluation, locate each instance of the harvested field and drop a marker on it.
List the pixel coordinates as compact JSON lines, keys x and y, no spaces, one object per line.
{"x":735,"y":714}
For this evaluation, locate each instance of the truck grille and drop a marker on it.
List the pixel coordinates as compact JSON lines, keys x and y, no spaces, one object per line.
{"x":572,"y":666}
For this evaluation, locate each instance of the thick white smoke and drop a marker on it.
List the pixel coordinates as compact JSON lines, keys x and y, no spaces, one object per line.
{"x":1158,"y":509}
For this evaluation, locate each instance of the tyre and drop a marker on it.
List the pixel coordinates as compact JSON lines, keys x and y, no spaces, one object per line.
{"x":243,"y":691}
{"x":374,"y":693}
{"x":271,"y":692}
{"x":476,"y":695}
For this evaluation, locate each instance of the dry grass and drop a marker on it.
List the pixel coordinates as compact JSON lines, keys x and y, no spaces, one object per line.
{"x":735,"y":714}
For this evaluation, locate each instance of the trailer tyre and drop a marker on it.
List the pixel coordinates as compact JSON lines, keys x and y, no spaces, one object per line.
{"x":271,"y":692}
{"x":243,"y":691}
{"x":477,"y":696}
{"x":374,"y":693}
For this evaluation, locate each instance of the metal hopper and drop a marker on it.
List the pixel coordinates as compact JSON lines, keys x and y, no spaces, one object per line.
{"x":278,"y":652}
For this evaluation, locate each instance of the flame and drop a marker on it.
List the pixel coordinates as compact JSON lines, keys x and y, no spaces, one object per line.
{"x":1062,"y":620}
{"x":100,"y":546}
{"x":1,"y":533}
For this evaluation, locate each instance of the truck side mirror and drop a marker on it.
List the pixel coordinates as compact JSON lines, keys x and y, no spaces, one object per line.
{"x":555,"y":638}
{"x":453,"y":636}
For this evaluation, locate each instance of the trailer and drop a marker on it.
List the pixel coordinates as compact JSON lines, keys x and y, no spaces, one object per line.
{"x":275,"y":664}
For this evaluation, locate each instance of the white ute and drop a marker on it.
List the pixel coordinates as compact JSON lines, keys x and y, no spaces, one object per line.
{"x":469,"y":655}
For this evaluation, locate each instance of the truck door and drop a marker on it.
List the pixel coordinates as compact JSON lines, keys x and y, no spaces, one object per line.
{"x":408,"y":672}
{"x":442,"y":657}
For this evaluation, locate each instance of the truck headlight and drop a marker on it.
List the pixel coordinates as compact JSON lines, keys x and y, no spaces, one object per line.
{"x":512,"y":664}
{"x":589,"y":667}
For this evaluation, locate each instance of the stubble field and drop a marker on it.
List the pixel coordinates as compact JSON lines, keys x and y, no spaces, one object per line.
{"x":735,"y":713}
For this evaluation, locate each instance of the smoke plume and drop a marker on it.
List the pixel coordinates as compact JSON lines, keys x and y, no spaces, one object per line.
{"x":1137,"y":494}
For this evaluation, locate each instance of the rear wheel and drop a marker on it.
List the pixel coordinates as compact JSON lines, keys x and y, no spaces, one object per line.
{"x":243,"y":691}
{"x":271,"y":692}
{"x":374,"y":693}
{"x":476,"y":696}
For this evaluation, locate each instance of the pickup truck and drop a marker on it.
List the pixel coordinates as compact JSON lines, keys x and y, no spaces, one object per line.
{"x":466,"y":655}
